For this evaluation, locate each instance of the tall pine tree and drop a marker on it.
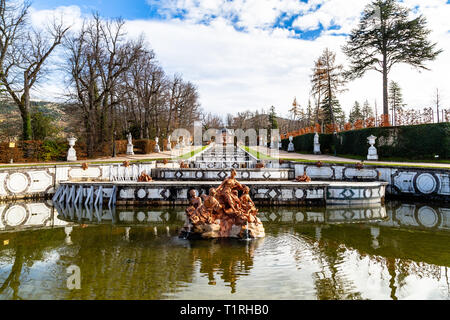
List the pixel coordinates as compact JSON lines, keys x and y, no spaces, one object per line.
{"x":355,"y":113}
{"x":367,"y":111}
{"x":385,"y":37}
{"x":273,"y":118}
{"x":332,"y":111}
{"x":395,"y":100}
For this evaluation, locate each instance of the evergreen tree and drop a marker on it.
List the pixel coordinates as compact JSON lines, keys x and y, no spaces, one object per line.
{"x":273,"y":118}
{"x":367,"y":111}
{"x":387,"y":36}
{"x":332,"y":111}
{"x":355,"y":113}
{"x":43,"y":126}
{"x":395,"y":100}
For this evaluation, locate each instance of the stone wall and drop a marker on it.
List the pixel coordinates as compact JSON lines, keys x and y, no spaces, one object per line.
{"x":42,"y":181}
{"x":404,"y":182}
{"x":220,"y":174}
{"x":273,"y":193}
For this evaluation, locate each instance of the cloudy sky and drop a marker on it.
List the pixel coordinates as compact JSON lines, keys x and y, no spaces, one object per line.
{"x":251,"y":54}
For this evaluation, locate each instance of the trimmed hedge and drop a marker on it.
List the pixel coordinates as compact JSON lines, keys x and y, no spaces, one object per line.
{"x":34,"y":151}
{"x":412,"y":142}
{"x":56,"y":150}
{"x":144,"y":146}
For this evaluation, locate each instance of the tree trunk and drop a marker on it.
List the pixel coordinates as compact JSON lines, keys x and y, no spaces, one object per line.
{"x":27,"y":132}
{"x":437,"y":105}
{"x":90,"y":134}
{"x":385,"y":87}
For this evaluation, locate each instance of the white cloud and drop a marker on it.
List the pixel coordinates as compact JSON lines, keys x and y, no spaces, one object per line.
{"x":70,"y":14}
{"x":343,"y":13}
{"x":263,"y":66}
{"x":250,"y":14}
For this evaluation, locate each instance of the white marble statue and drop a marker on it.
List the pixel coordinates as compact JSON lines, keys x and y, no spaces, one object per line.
{"x":157,"y":150}
{"x":71,"y":153}
{"x":263,"y":142}
{"x":372,"y":154}
{"x":169,"y":143}
{"x":130,"y":146}
{"x":316,"y":144}
{"x":291,"y":144}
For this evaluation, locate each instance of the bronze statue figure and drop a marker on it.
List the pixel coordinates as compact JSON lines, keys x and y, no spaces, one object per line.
{"x":223,"y":214}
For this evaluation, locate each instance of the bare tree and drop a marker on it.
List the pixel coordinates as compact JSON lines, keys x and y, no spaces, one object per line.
{"x":211,"y":121}
{"x":24,"y":53}
{"x":98,"y":56}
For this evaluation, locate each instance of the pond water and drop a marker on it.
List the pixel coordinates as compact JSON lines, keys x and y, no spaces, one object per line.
{"x":396,"y":251}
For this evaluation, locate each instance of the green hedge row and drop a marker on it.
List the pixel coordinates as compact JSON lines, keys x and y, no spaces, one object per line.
{"x":413,"y":142}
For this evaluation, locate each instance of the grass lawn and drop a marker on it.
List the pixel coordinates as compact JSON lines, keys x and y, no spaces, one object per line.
{"x":370,"y":163}
{"x":191,"y":154}
{"x":396,"y":159}
{"x":44,"y":164}
{"x":52,"y":164}
{"x":258,"y":155}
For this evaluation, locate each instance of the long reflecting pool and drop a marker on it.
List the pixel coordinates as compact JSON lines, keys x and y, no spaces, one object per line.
{"x":396,"y":251}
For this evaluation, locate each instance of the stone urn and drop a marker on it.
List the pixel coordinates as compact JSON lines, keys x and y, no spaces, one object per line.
{"x":71,"y":153}
{"x":372,"y":154}
{"x":291,"y":144}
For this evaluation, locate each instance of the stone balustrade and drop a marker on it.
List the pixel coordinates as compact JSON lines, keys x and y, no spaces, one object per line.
{"x":403,"y":181}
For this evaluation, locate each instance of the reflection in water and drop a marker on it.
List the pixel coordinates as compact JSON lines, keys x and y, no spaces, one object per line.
{"x":394,"y":252}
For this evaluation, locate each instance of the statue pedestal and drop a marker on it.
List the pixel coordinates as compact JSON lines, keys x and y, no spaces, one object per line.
{"x":317,"y":148}
{"x":130,"y":149}
{"x":316,"y":144}
{"x":372,"y":155}
{"x":291,"y":147}
{"x":213,"y":231}
{"x":71,"y":153}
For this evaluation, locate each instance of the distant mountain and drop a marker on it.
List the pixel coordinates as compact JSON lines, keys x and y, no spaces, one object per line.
{"x":11,"y":122}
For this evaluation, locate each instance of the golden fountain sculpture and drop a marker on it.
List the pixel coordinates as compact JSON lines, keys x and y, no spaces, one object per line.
{"x":223,"y":214}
